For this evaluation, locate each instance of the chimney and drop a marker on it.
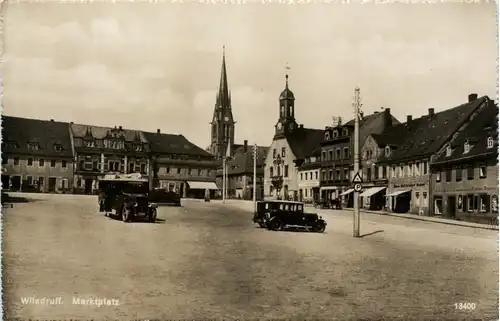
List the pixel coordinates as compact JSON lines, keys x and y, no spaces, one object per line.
{"x":301,"y":126}
{"x":431,"y":112}
{"x":408,"y":118}
{"x":245,"y":145}
{"x":387,"y":118}
{"x":120,"y":127}
{"x":472,"y":97}
{"x":71,"y":122}
{"x":158,"y":131}
{"x":51,"y":119}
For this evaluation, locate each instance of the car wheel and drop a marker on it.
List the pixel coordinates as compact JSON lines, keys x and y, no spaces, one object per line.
{"x":262,"y":224}
{"x":277,"y":225}
{"x":152,"y":216}
{"x":125,"y":214}
{"x":320,"y":227}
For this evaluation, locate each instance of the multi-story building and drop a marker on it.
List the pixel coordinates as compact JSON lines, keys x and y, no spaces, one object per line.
{"x":308,"y":174}
{"x":179,"y":165}
{"x":407,"y":164}
{"x":240,"y":174}
{"x":292,"y":143}
{"x":100,"y":150}
{"x":36,"y":155}
{"x":464,"y":172}
{"x":337,"y":158}
{"x":375,"y":178}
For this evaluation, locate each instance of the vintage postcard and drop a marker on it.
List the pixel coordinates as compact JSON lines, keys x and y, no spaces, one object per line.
{"x":249,"y":160}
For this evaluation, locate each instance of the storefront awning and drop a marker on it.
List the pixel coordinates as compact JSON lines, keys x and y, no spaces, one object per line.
{"x":349,"y":191}
{"x":328,"y":188}
{"x":202,"y":185}
{"x":372,"y":191}
{"x":396,"y":193}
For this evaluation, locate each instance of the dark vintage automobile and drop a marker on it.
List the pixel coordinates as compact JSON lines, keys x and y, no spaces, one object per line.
{"x":163,"y":196}
{"x":280,"y":215}
{"x":126,"y":196}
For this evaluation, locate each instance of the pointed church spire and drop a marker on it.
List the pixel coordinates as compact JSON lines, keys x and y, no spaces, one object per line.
{"x":223,"y":97}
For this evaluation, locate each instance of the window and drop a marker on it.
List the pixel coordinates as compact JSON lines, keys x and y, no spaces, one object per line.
{"x":168,"y":170}
{"x":323,"y":155}
{"x":330,"y":154}
{"x":337,"y":174}
{"x":271,"y":171}
{"x":438,"y":177}
{"x":490,"y":142}
{"x":425,"y":196}
{"x":270,"y":190}
{"x":410,"y":169}
{"x":63,"y":164}
{"x":330,"y":174}
{"x":301,"y":177}
{"x":327,"y":135}
{"x":5,"y":160}
{"x":138,"y":147}
{"x":337,"y":153}
{"x":286,"y":170}
{"x":417,"y":168}
{"x":88,"y":166}
{"x":459,"y":202}
{"x":425,"y":167}
{"x":438,"y":205}
{"x":41,"y":162}
{"x":29,"y":180}
{"x":30,"y":161}
{"x":33,"y":146}
{"x":335,"y":134}
{"x":199,"y":172}
{"x":41,"y":180}
{"x":345,"y":132}
{"x":283,"y":152}
{"x":393,"y":172}
{"x":448,"y":151}
{"x":466,"y":147}
{"x":310,"y":175}
{"x":484,"y":203}
{"x":470,"y":172}
{"x":384,"y":172}
{"x":323,"y":175}
{"x":178,"y":170}
{"x":89,"y":143}
{"x":52,"y":163}
{"x":482,"y":171}
{"x":305,"y":192}
{"x":316,"y":174}
{"x":470,"y":203}
{"x":58,"y":147}
{"x":368,"y":174}
{"x":209,"y":172}
{"x":387,"y":151}
{"x":417,"y":195}
{"x":346,"y":174}
{"x":16,"y":160}
{"x":448,"y":175}
{"x":458,"y":174}
{"x":401,"y":170}
{"x":346,"y":152}
{"x":282,"y":111}
{"x":274,"y":153}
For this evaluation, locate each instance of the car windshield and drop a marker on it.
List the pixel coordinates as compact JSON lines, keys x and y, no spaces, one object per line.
{"x":134,"y":188}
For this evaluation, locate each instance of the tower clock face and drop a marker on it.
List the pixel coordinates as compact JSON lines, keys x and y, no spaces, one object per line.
{"x":279,"y":126}
{"x":226,"y":118}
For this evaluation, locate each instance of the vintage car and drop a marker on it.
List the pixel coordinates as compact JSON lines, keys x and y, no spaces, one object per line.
{"x":163,"y":196}
{"x":126,"y":196}
{"x":280,"y":215}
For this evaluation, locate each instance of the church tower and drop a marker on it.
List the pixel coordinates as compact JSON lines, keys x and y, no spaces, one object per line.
{"x":286,"y":122}
{"x":222,"y":124}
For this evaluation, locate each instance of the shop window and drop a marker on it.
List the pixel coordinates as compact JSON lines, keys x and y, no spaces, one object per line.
{"x":438,"y":205}
{"x":484,"y":203}
{"x":470,"y":203}
{"x":482,"y":171}
{"x":459,"y":202}
{"x":494,"y":203}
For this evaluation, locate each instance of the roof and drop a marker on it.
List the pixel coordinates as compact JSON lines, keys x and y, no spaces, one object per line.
{"x":132,"y":177}
{"x":18,"y":132}
{"x":242,"y":162}
{"x":396,"y":134}
{"x":304,"y":141}
{"x":99,"y":132}
{"x":174,"y":144}
{"x":484,"y":125}
{"x":427,"y":134}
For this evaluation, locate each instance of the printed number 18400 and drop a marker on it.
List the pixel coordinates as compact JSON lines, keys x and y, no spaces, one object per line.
{"x":465,"y":306}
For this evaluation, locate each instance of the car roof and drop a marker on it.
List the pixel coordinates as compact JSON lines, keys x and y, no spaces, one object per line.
{"x":282,"y":202}
{"x":133,"y":178}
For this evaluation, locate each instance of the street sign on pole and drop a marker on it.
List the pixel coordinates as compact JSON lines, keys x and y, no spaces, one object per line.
{"x":358,"y":187}
{"x":357,"y":179}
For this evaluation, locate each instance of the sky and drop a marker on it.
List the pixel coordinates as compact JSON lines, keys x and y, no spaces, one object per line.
{"x":157,"y":65}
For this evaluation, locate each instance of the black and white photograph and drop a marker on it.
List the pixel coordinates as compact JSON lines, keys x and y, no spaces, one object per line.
{"x":249,"y":160}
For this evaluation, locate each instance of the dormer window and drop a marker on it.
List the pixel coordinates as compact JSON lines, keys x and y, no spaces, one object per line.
{"x":58,"y":147}
{"x":387,"y":151}
{"x":490,"y":142}
{"x":448,"y":151}
{"x":89,"y":143}
{"x":138,"y":148}
{"x":113,"y":144}
{"x":345,"y":132}
{"x":33,"y":146}
{"x":466,"y":147}
{"x":327,"y":135}
{"x":335,"y":134}
{"x":11,"y":145}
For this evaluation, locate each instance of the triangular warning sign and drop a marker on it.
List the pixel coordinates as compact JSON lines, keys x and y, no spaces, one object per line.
{"x":357,"y":179}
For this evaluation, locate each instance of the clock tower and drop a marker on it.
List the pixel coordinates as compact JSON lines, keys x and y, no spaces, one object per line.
{"x":286,"y":122}
{"x":222,"y":124}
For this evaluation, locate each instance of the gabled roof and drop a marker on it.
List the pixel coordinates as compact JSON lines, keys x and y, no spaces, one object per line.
{"x":396,"y":135}
{"x":303,"y":141}
{"x":45,"y":133}
{"x":174,"y":144}
{"x":99,"y":132}
{"x":427,"y":134}
{"x":242,"y":162}
{"x":484,"y":125}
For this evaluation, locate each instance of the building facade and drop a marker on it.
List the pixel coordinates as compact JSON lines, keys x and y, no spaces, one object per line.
{"x":292,"y":143}
{"x":464,"y":173}
{"x":103,"y":150}
{"x":179,"y":165}
{"x":337,"y":158}
{"x":309,"y":178}
{"x":36,"y":155}
{"x":408,"y":162}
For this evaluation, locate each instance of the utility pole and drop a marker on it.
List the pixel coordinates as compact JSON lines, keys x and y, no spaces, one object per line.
{"x":357,"y":106}
{"x":255,"y":178}
{"x":224,"y":179}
